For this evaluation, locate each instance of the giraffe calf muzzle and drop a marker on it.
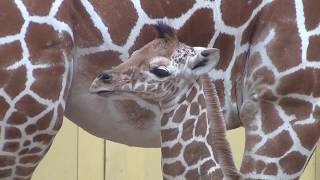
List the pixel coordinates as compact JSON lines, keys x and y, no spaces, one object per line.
{"x":101,"y":85}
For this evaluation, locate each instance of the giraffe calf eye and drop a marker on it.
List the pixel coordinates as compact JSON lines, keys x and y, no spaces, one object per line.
{"x":160,"y":72}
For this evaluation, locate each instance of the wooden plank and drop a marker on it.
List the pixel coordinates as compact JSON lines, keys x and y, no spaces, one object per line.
{"x":132,"y":163}
{"x":61,"y":161}
{"x":90,"y":157}
{"x":153,"y":164}
{"x":236,"y":138}
{"x":317,"y":166}
{"x":116,"y":161}
{"x":310,"y":171}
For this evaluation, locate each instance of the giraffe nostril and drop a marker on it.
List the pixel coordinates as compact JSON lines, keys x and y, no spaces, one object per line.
{"x":105,"y":77}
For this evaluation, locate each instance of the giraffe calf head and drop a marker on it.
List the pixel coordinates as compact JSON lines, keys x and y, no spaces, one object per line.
{"x":158,"y":69}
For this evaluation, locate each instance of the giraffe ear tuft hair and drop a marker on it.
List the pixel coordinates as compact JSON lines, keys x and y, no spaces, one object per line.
{"x":164,"y":30}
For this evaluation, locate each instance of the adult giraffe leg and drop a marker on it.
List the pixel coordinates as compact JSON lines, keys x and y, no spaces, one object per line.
{"x":32,"y":102}
{"x":282,"y":123}
{"x":34,"y":80}
{"x":280,"y":138}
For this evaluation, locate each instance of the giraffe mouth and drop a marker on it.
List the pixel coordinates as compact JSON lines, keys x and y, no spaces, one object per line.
{"x":104,"y":93}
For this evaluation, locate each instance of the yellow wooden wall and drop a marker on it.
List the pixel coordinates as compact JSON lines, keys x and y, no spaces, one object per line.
{"x":77,"y":155}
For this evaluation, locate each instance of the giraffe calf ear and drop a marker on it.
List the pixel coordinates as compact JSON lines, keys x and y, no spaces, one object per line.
{"x":205,"y":60}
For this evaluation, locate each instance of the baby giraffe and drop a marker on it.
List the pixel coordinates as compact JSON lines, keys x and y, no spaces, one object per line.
{"x":193,"y":140}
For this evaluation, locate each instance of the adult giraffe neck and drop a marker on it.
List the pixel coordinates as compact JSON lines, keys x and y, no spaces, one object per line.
{"x":189,"y":147}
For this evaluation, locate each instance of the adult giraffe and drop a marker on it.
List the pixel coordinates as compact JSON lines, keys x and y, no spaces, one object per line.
{"x":267,"y":47}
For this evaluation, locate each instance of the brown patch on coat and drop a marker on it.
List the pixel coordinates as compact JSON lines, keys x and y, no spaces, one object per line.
{"x":313,"y":53}
{"x":247,"y":165}
{"x":12,"y":133}
{"x":249,"y":31}
{"x":187,"y":129}
{"x":236,"y":13}
{"x":219,"y":84}
{"x":194,"y":152}
{"x":165,"y":118}
{"x":201,"y":127}
{"x":268,"y":95}
{"x":169,"y":134}
{"x":292,"y":83}
{"x":10,"y":18}
{"x":260,"y":166}
{"x":237,"y":75}
{"x":26,"y":143}
{"x":265,"y":75}
{"x":38,"y":7}
{"x":308,"y":134}
{"x":271,"y":169}
{"x":299,"y":108}
{"x":44,"y":44}
{"x":24,"y":171}
{"x":199,"y":29}
{"x":251,"y":141}
{"x":59,"y":119}
{"x":292,"y":162}
{"x":44,"y":122}
{"x":192,"y":174}
{"x":76,"y":16}
{"x":24,"y":151}
{"x":171,"y":152}
{"x":311,"y":13}
{"x":35,"y":150}
{"x":276,"y":146}
{"x":170,"y":9}
{"x":173,"y":169}
{"x":202,"y":101}
{"x":31,"y":129}
{"x":5,"y":173}
{"x":11,"y":146}
{"x":191,"y":95}
{"x":47,"y":78}
{"x":17,"y":118}
{"x":4,"y":106}
{"x":194,"y":109}
{"x":43,"y":138}
{"x":238,"y":67}
{"x":119,"y":16}
{"x":7,"y":160}
{"x":226,"y":44}
{"x":180,"y":114}
{"x":269,"y":117}
{"x":10,"y":54}
{"x":16,"y":81}
{"x":284,"y":49}
{"x":30,"y":159}
{"x":147,"y":34}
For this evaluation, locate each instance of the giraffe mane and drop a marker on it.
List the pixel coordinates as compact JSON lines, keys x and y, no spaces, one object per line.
{"x":164,"y":30}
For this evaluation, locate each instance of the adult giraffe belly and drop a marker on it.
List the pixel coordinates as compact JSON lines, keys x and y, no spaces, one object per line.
{"x":126,"y":120}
